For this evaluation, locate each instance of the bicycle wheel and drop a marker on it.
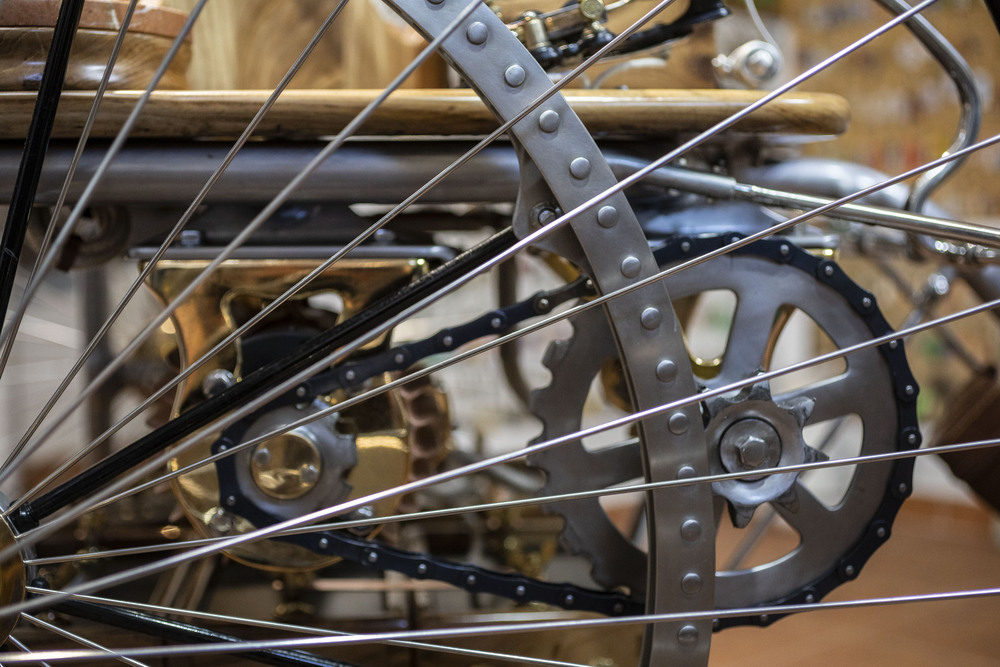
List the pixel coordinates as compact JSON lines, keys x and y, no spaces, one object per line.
{"x":304,"y":418}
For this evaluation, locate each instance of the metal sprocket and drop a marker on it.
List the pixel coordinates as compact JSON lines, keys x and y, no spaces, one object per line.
{"x":769,"y":279}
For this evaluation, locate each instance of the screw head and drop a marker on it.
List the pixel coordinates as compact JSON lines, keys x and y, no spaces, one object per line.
{"x":262,"y":456}
{"x":217,"y":381}
{"x":308,"y":474}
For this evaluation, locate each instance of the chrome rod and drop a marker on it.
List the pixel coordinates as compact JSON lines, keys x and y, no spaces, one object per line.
{"x":303,"y":629}
{"x":537,"y":500}
{"x":63,"y":632}
{"x":512,"y":628}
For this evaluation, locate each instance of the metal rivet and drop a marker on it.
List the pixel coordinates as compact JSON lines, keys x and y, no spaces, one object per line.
{"x":828,"y":270}
{"x":422,"y":569}
{"x":893,"y":344}
{"x":579,"y":168}
{"x":548,"y":120}
{"x":618,"y":608}
{"x":631,"y":266}
{"x":568,"y":601}
{"x":470,"y":580}
{"x":762,"y":619}
{"x":688,"y":635}
{"x":784,"y":249}
{"x":866,"y":302}
{"x":850,"y":571}
{"x":520,"y":591}
{"x":323,"y":543}
{"x":685,"y":246}
{"x":909,"y":390}
{"x":651,"y":318}
{"x":350,"y":376}
{"x":810,"y":598}
{"x":678,"y":423}
{"x":607,"y":217}
{"x":230,"y":500}
{"x":912,"y":439}
{"x":690,"y":530}
{"x":691,"y":583}
{"x":496,"y":323}
{"x":880,"y":531}
{"x":301,"y":392}
{"x":447,"y":341}
{"x":477,"y":32}
{"x":903,"y":488}
{"x":400,"y":358}
{"x":686,"y":472}
{"x":514,"y":76}
{"x":372,"y":557}
{"x":666,"y":371}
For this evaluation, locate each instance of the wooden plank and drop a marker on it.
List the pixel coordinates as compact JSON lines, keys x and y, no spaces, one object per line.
{"x":311,"y":113}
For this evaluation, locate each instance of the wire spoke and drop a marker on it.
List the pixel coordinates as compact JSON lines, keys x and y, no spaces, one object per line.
{"x":303,"y":282}
{"x":527,"y":627}
{"x":63,"y":632}
{"x":131,"y":479}
{"x":302,"y":629}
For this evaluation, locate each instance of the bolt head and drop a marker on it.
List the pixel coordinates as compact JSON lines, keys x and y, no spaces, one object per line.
{"x":752,"y":451}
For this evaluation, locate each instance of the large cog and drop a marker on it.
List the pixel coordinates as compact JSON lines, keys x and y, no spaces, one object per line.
{"x":751,"y":429}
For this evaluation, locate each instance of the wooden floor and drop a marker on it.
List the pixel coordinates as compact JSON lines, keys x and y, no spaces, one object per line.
{"x":934,"y":548}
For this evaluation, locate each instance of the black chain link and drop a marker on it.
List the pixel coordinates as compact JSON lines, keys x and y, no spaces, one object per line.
{"x":517,"y":587}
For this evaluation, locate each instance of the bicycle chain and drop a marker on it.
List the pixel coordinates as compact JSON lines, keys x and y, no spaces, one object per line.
{"x":849,"y":565}
{"x":519,"y":588}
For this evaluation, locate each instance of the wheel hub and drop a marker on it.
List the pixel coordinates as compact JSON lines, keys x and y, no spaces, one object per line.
{"x":753,"y":432}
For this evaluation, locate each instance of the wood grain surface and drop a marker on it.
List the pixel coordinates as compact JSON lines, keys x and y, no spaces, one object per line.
{"x":311,"y":113}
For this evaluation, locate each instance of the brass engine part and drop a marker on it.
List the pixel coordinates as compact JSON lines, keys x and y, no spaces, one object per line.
{"x":287,"y":473}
